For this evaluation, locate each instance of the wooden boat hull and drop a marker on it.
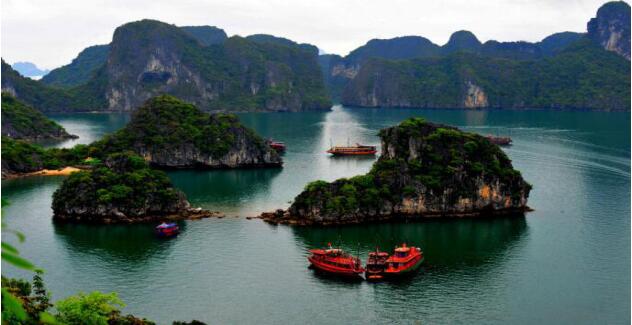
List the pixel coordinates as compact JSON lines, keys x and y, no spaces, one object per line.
{"x":333,"y":269}
{"x":407,"y":271}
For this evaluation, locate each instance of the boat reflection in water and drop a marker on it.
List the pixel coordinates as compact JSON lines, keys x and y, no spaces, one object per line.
{"x":449,"y":246}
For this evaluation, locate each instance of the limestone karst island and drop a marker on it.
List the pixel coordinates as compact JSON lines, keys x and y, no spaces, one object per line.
{"x":205,"y":162}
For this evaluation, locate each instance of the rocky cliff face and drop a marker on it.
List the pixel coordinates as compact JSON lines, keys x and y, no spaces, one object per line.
{"x":173,"y":134}
{"x":611,"y":28}
{"x":425,"y":170}
{"x":121,"y":190}
{"x":148,"y":58}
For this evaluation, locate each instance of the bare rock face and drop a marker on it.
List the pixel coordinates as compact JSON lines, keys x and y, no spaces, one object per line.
{"x":425,"y":170}
{"x":475,"y":96}
{"x":170,"y":133}
{"x":611,"y":28}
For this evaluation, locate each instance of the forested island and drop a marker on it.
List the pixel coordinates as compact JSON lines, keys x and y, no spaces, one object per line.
{"x":425,"y":170}
{"x":121,"y":189}
{"x":166,"y":132}
{"x":171,"y":133}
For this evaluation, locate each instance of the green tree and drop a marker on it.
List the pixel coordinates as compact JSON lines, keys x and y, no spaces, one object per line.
{"x":94,"y":308}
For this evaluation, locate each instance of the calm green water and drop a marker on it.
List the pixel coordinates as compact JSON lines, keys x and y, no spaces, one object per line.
{"x":566,"y":262}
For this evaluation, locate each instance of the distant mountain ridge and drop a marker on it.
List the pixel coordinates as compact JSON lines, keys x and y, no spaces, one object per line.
{"x":29,"y":69}
{"x":465,"y":73}
{"x":195,"y":63}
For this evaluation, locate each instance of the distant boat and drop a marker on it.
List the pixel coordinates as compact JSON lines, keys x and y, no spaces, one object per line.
{"x":167,"y":230}
{"x":276,"y":145}
{"x":335,"y":261}
{"x":501,"y":141}
{"x":356,"y":150}
{"x":404,"y":261}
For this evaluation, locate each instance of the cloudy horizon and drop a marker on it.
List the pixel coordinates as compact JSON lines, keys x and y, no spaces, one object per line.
{"x":51,"y":34}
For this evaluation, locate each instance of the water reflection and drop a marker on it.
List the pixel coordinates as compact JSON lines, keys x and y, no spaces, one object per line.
{"x":225,"y":190}
{"x":444,"y":242}
{"x":134,"y":244}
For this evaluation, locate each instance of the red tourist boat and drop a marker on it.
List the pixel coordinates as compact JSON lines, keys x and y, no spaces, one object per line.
{"x":376,"y":265}
{"x":167,"y":230}
{"x":276,"y":145}
{"x":404,"y":261}
{"x":335,"y":261}
{"x":356,"y":150}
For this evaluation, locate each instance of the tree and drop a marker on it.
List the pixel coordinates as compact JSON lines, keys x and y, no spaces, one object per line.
{"x":94,"y":308}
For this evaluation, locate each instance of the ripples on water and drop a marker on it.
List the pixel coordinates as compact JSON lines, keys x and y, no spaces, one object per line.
{"x":566,"y":262}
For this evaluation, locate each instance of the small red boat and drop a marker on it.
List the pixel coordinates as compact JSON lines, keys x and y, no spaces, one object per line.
{"x":358,"y":149}
{"x":376,"y":265}
{"x":167,"y":230}
{"x":404,"y":261}
{"x":335,"y":261}
{"x":276,"y":145}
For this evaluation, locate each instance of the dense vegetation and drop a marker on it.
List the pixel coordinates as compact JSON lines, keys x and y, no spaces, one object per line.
{"x":21,"y":121}
{"x":94,"y":308}
{"x":49,"y":99}
{"x":581,"y":76}
{"x":80,"y":70}
{"x":437,"y":165}
{"x":167,"y":124}
{"x":19,"y":156}
{"x":122,"y":186}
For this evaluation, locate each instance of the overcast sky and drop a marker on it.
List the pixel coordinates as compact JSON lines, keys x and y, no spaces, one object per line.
{"x":51,"y":33}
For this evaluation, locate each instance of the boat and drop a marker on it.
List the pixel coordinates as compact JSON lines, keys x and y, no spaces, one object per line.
{"x":376,"y":265}
{"x":404,"y":260}
{"x":167,"y":230}
{"x":277,"y":145}
{"x":335,"y":261}
{"x":356,"y":150}
{"x":501,"y":141}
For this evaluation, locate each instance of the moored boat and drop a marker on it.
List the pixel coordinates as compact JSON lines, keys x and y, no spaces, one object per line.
{"x":277,"y":145}
{"x":376,"y":265}
{"x":358,"y":149}
{"x":335,"y":261}
{"x":501,"y":141}
{"x":167,"y":230}
{"x":404,"y":260}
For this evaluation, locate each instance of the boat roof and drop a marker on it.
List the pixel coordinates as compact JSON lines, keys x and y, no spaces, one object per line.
{"x":166,"y":225}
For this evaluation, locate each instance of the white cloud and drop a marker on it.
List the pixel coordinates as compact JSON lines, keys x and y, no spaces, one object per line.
{"x":51,"y":33}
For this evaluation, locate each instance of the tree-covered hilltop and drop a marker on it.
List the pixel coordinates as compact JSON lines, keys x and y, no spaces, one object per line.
{"x":425,"y":170}
{"x":581,"y":76}
{"x":377,"y":63}
{"x":121,"y":189}
{"x":171,"y":133}
{"x":20,"y":121}
{"x":50,"y":99}
{"x":80,"y":70}
{"x":198,"y":64}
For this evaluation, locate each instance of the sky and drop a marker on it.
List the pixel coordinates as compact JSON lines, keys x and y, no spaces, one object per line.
{"x":50,"y":33}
